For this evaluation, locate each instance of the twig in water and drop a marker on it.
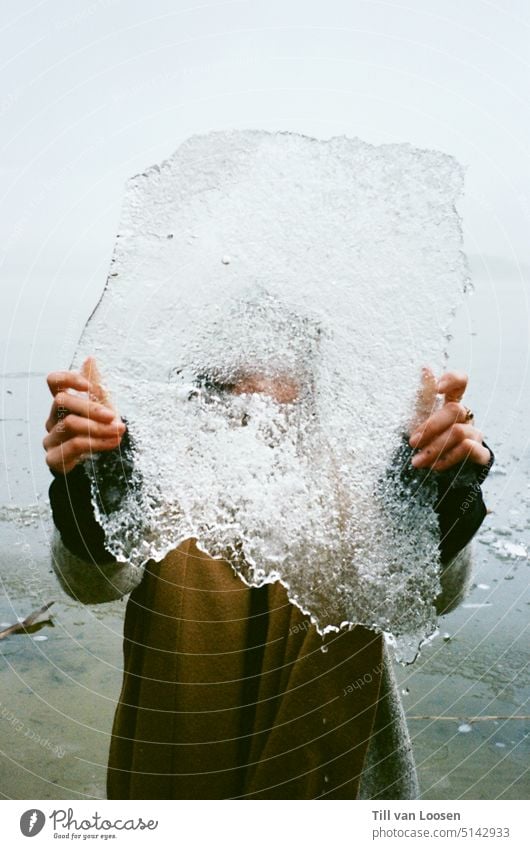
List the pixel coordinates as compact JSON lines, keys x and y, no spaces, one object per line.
{"x":38,"y":617}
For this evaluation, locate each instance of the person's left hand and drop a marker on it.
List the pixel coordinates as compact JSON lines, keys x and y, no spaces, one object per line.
{"x":446,"y":435}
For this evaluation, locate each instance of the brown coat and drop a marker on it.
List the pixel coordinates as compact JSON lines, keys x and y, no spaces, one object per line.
{"x":227,"y":692}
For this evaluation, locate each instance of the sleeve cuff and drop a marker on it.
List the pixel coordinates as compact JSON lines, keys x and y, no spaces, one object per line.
{"x":465,"y":474}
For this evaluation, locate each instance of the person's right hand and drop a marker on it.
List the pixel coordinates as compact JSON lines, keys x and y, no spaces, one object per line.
{"x":79,"y":424}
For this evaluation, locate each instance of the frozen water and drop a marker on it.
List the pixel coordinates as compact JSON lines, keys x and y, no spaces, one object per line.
{"x":510,"y":550}
{"x":30,"y":514}
{"x":476,"y":606}
{"x":271,"y":301}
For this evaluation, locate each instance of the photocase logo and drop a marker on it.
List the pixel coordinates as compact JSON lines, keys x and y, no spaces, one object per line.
{"x":31,"y":822}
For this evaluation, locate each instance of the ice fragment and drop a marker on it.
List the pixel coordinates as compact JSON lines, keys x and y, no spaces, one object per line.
{"x":346,"y":251}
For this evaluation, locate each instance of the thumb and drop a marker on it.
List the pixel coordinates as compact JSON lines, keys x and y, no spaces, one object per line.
{"x":426,"y":399}
{"x":98,"y":391}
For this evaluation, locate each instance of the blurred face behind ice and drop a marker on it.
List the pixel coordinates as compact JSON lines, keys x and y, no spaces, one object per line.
{"x":283,"y":389}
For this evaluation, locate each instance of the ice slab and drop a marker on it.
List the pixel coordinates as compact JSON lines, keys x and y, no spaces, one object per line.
{"x":329,"y":271}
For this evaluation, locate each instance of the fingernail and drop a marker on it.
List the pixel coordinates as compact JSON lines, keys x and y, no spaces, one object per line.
{"x":414,"y":439}
{"x":418,"y":459}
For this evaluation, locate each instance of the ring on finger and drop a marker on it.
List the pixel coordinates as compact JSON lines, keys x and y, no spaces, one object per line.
{"x":470,"y":416}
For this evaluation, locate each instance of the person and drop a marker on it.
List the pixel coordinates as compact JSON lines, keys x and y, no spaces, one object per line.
{"x":228,"y":690}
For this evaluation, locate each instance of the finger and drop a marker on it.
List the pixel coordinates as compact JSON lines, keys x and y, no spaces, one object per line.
{"x":66,"y":402}
{"x":453,"y":385}
{"x":64,"y":457}
{"x":72,"y":426}
{"x":98,"y":392}
{"x":445,"y":442}
{"x":467,"y":450}
{"x":440,"y":421}
{"x":425,"y":399}
{"x":61,"y":380}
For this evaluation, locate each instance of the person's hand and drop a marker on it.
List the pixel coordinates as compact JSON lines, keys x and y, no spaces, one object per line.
{"x":445,"y":435}
{"x":79,"y":424}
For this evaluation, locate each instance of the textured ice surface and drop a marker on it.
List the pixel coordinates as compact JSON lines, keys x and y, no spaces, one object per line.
{"x":334,"y":265}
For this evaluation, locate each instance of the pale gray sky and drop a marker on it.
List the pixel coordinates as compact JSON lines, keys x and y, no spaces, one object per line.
{"x":93,"y":92}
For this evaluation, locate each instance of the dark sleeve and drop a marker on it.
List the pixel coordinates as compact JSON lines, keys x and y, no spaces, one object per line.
{"x":71,"y":500}
{"x":455,"y":494}
{"x":460,"y":506}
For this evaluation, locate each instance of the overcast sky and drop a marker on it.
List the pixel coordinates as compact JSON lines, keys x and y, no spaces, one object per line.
{"x":93,"y":92}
